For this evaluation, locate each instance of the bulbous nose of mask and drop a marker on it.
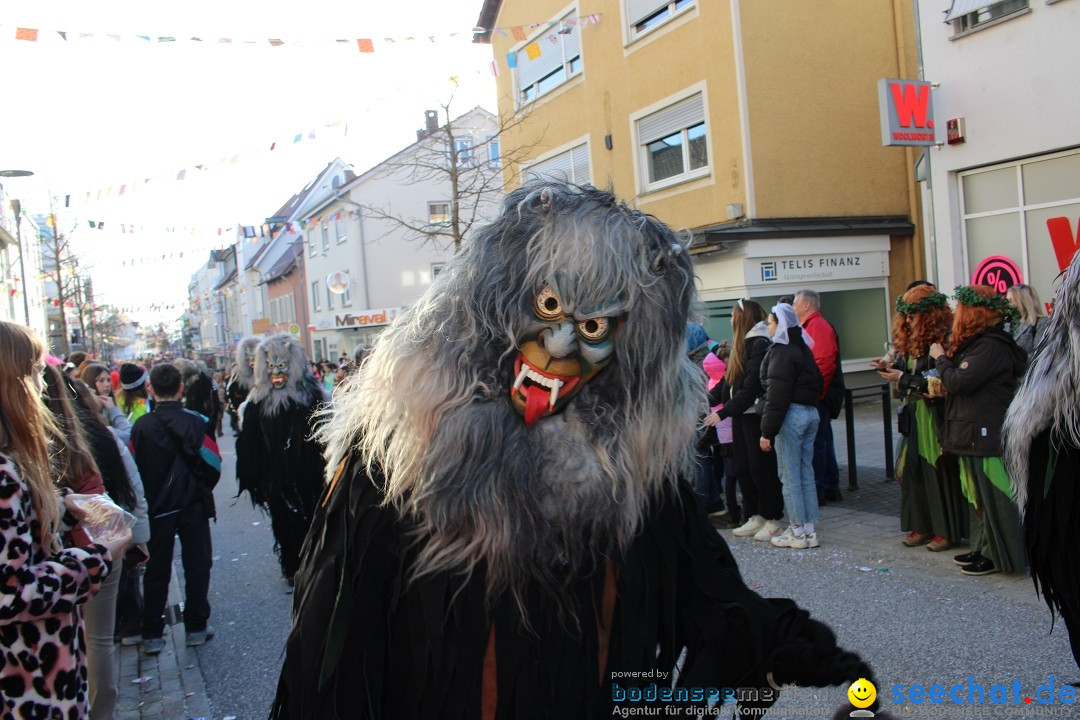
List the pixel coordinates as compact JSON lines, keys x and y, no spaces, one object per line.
{"x":559,"y":341}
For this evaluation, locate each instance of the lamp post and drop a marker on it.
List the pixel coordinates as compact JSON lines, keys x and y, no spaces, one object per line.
{"x":16,"y":207}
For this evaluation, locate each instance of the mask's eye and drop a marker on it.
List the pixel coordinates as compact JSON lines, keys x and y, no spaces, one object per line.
{"x":594,"y":330}
{"x":548,"y":306}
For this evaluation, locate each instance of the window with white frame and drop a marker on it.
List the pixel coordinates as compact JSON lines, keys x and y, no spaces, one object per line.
{"x":673,"y":144}
{"x":969,"y":15}
{"x":346,"y":297}
{"x":290,"y":308}
{"x":494,"y":153}
{"x":316,"y":299}
{"x":438,"y":213}
{"x":342,"y":232}
{"x":543,"y":65}
{"x":569,"y":166}
{"x":436,"y":268}
{"x":463,"y":150}
{"x":326,"y":236}
{"x":643,"y":16}
{"x":329,"y":298}
{"x":275,"y":312}
{"x":311,"y":243}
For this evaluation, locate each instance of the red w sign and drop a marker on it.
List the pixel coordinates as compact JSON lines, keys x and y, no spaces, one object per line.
{"x":1064,"y":240}
{"x":907,"y":112}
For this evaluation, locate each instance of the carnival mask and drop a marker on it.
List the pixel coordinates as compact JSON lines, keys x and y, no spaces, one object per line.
{"x":250,"y":355}
{"x":559,"y":353}
{"x":279,"y":373}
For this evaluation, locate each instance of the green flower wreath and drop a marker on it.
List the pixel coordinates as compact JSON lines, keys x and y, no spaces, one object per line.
{"x":932,"y":301}
{"x":966,"y":295}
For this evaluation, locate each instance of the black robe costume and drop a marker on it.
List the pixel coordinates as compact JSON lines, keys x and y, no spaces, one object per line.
{"x":367,"y":643}
{"x":1050,"y":524}
{"x":282,"y":469}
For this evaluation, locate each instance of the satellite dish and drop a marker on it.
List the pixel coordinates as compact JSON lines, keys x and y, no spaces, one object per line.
{"x":337,"y":282}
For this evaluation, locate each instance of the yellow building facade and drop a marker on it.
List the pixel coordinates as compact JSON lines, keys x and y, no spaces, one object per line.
{"x":752,"y":123}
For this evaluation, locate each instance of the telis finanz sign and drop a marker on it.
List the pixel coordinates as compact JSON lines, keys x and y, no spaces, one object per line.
{"x":907,"y":113}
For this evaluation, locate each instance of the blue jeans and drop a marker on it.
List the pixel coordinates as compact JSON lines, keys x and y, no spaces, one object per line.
{"x":826,"y":472}
{"x":795,"y":457}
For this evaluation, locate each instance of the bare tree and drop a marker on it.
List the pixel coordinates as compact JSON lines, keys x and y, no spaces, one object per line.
{"x":110,"y":329}
{"x":471,"y":163}
{"x":61,"y":264}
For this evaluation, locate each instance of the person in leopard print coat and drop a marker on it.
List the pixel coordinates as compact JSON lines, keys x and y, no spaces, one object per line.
{"x":42,"y":649}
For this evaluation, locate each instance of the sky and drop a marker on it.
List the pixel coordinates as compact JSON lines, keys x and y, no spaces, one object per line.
{"x":103,"y":109}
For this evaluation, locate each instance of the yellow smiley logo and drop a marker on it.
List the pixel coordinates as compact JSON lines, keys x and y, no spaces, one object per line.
{"x":862,"y":693}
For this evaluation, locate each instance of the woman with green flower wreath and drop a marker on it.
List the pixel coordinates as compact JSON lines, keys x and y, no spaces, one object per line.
{"x":932,"y":510}
{"x":980,"y":375}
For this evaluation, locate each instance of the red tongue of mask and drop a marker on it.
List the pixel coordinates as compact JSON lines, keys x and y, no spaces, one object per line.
{"x":536,"y":403}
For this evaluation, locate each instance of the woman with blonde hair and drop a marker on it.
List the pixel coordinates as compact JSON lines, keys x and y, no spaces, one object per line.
{"x":932,"y":511}
{"x":980,"y":373}
{"x":41,"y":637}
{"x":1029,"y":329}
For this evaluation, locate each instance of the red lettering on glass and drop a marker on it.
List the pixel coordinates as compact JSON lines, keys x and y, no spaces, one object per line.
{"x":1064,"y":240}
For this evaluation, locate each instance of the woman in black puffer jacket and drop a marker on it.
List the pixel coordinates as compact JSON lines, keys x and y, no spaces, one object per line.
{"x":792,"y":385}
{"x":980,"y":375}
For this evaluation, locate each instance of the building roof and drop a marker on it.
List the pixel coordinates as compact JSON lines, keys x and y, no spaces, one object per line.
{"x":488,"y":14}
{"x":287,"y":262}
{"x":226,"y":280}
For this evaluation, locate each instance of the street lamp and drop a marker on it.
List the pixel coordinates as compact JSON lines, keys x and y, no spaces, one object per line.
{"x":16,"y":207}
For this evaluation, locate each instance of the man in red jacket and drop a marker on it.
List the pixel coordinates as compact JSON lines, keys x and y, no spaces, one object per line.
{"x":826,"y":474}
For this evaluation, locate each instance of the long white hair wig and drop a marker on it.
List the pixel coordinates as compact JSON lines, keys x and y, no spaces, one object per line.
{"x":431,"y":407}
{"x":1047,"y":397}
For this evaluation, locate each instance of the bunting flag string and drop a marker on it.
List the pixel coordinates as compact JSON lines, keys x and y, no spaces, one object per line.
{"x":364,"y":45}
{"x":71,"y":198}
{"x":533,"y":49}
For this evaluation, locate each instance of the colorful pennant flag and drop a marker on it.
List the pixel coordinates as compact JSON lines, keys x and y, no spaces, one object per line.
{"x":532,"y":50}
{"x":26,"y":34}
{"x":365,"y":45}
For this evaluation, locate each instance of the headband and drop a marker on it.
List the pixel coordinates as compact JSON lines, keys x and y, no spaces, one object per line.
{"x":966,"y":295}
{"x":931,"y":302}
{"x":137,"y":383}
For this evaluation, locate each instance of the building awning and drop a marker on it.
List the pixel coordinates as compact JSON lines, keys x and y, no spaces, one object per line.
{"x":961,"y":8}
{"x":715,"y":237}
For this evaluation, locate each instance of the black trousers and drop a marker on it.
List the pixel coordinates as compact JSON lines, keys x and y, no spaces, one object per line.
{"x":129,"y":603}
{"x":756,"y":470}
{"x":193,"y":527}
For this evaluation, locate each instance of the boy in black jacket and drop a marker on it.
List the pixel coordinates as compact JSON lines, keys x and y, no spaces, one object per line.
{"x":180,"y":464}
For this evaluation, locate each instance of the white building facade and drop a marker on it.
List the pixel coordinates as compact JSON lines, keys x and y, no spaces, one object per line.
{"x":1002,"y":195}
{"x":370,"y":250}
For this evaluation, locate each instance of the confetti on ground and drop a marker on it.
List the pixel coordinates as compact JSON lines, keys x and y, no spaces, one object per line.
{"x":863,"y":568}
{"x":256,"y":523}
{"x":188,"y":694}
{"x":143,"y":679}
{"x":189,"y":667}
{"x":229,"y":717}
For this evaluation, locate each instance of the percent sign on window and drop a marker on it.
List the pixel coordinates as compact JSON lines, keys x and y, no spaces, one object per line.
{"x":997,"y":271}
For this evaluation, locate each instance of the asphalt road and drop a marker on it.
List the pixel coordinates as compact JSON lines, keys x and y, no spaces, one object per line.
{"x":250,"y":605}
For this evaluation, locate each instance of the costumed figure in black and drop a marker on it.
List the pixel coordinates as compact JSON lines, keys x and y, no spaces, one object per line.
{"x":932,"y":509}
{"x":1042,"y":454}
{"x":278,"y":462}
{"x":243,"y":377}
{"x":508,"y":526}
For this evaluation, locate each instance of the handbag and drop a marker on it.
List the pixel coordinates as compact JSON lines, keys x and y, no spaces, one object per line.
{"x":903,"y":419}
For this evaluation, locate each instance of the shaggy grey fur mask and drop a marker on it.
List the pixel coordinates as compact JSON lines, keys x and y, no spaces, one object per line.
{"x":1047,"y":394}
{"x":245,"y":355}
{"x":433,"y":407}
{"x":280,"y":354}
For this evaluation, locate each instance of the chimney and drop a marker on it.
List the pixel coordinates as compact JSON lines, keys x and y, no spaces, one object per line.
{"x":431,"y":120}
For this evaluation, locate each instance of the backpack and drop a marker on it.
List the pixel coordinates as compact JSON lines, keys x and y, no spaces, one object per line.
{"x":834,"y":396}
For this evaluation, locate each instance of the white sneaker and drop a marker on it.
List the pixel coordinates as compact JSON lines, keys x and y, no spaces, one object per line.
{"x":812,"y":540}
{"x":788,"y":539}
{"x":749,"y":527}
{"x":768,"y":531}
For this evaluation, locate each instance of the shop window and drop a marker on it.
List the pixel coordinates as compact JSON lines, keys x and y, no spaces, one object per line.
{"x":644,"y":16}
{"x":990,"y":191}
{"x":570,"y":166}
{"x":551,"y":64}
{"x":673,"y":143}
{"x":1052,"y":180}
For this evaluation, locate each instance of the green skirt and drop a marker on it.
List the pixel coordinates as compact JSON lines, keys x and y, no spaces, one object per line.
{"x":995,"y":520}
{"x":930,"y":497}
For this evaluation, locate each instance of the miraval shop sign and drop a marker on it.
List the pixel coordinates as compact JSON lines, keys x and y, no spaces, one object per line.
{"x":815,"y":268}
{"x":907,"y":113}
{"x":368,"y":319}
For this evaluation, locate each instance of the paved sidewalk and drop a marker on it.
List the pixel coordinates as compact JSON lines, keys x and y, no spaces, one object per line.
{"x":168,"y":686}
